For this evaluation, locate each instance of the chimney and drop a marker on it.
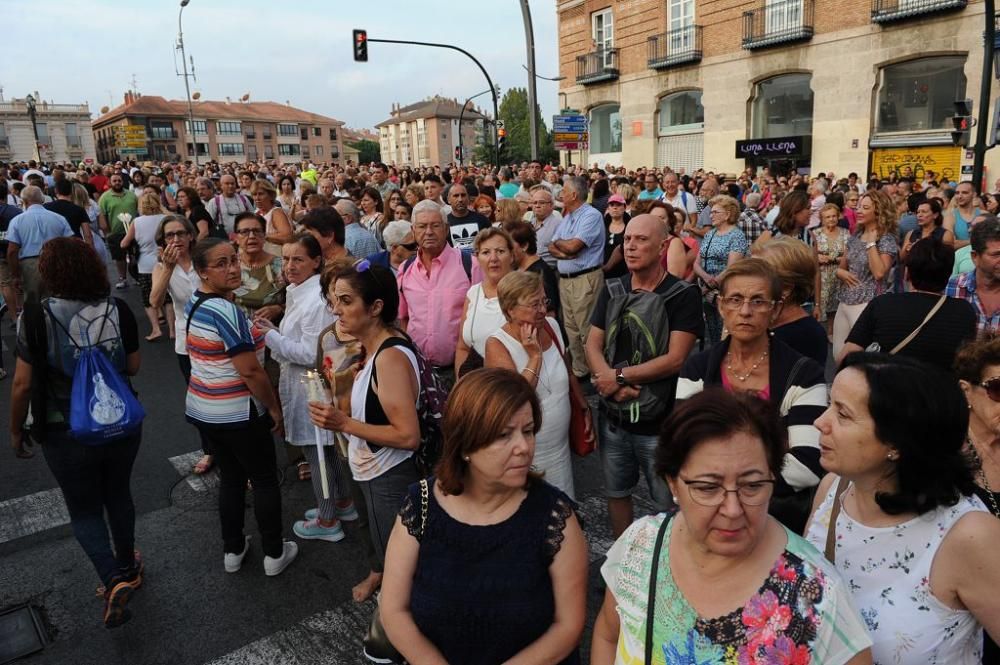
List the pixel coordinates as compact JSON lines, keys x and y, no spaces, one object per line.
{"x":228,"y":100}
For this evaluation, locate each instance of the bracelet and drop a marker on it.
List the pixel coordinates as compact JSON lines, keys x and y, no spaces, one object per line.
{"x":528,"y":369}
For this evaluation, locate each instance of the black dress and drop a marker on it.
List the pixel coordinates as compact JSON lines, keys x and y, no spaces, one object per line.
{"x":481,"y":594}
{"x":614,"y":240}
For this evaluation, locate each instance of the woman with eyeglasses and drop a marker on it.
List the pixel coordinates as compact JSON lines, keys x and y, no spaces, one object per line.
{"x":751,"y":360}
{"x":719,"y":580}
{"x":721,"y":247}
{"x":262,"y":280}
{"x":530,"y":343}
{"x":897,"y":513}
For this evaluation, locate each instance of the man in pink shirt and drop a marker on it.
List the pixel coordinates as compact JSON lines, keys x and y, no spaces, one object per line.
{"x":432,"y":289}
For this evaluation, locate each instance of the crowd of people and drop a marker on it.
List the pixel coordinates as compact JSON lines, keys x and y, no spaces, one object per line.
{"x":803,"y":370}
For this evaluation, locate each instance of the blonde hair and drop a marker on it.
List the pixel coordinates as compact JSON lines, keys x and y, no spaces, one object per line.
{"x":795,"y":265}
{"x":260,"y":185}
{"x":627,"y":193}
{"x":508,"y":210}
{"x":885,"y":212}
{"x":149,"y":204}
{"x":829,"y":206}
{"x":514,"y":287}
{"x":729,"y":203}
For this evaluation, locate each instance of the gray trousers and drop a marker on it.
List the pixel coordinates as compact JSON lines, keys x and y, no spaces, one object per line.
{"x":336,"y":476}
{"x":383,"y":498}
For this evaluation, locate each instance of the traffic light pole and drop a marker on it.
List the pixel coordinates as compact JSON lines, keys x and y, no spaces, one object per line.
{"x":496,"y":104}
{"x":461,"y":117}
{"x":983,"y":122}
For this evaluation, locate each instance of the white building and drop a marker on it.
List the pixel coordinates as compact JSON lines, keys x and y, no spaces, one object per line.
{"x":64,"y":132}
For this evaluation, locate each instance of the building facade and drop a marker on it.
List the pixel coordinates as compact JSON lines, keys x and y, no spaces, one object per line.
{"x":817,"y":85}
{"x":63,"y":130}
{"x":151,"y":127}
{"x":427,"y":133}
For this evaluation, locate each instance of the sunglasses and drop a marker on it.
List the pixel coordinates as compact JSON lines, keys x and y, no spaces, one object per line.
{"x":409,"y":246}
{"x":992,"y":388}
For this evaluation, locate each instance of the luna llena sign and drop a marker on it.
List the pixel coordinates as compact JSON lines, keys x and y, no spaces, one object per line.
{"x":786,"y":146}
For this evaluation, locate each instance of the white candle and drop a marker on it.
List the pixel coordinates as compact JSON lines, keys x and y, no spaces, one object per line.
{"x":317,"y":393}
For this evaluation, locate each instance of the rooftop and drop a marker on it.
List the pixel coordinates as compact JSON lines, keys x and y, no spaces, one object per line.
{"x":434,"y":107}
{"x":153,"y":105}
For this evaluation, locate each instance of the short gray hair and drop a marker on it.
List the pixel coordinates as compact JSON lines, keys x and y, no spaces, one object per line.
{"x":579,"y":185}
{"x":426,"y":206}
{"x":347,"y":207}
{"x":32,"y":195}
{"x":395,"y":231}
{"x":753,"y":199}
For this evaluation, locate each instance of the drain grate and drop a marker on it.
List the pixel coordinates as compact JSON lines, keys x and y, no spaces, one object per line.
{"x":21,"y":633}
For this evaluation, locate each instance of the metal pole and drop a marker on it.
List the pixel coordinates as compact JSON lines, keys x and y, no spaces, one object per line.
{"x":496,"y":104}
{"x":461,"y":114}
{"x":30,"y":102}
{"x":529,"y":39}
{"x":984,"y":121}
{"x":187,"y":85}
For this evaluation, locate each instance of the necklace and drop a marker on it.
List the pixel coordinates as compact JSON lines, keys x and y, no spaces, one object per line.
{"x":753,"y":368}
{"x":978,"y":461}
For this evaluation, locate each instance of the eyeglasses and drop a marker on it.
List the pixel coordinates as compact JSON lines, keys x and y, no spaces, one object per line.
{"x":544,"y":303}
{"x":170,"y":235}
{"x":717,"y":212}
{"x":753,"y":493}
{"x":250,"y":232}
{"x":735,"y":303}
{"x":992,"y":388}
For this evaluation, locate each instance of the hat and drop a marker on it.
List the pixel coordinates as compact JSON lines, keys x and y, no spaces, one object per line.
{"x":617,"y":198}
{"x":548,"y":167}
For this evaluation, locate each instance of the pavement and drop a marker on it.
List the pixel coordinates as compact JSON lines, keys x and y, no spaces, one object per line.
{"x":189,"y":611}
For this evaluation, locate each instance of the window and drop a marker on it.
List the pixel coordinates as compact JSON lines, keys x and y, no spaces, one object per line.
{"x":783,"y":106}
{"x":252,"y":153}
{"x":333,"y":133}
{"x":318,"y":150}
{"x":304,"y":133}
{"x":288,"y":130}
{"x":267,"y":131}
{"x":268,"y":152}
{"x":680,"y":16}
{"x":73,"y":135}
{"x":251,"y":132}
{"x":157,"y":130}
{"x":783,"y":15}
{"x":919,"y":94}
{"x":42,"y":129}
{"x":230,"y":148}
{"x":202,"y":149}
{"x":681,"y":112}
{"x":288,"y":149}
{"x":4,"y":141}
{"x":200,"y":126}
{"x":603,"y":33}
{"x":606,"y":129}
{"x":171,"y":149}
{"x":228,"y":128}
{"x":317,"y":131}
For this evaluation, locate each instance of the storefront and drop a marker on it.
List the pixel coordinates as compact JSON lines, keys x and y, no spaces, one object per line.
{"x":780,"y":155}
{"x":781,"y":125}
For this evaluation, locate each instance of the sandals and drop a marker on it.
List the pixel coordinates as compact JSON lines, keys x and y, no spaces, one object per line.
{"x":203,"y":466}
{"x":305,"y":473}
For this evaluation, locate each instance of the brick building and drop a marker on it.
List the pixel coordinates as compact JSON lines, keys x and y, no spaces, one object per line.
{"x":426,"y":133}
{"x":842,"y":85}
{"x":64,"y":133}
{"x":224,"y":131}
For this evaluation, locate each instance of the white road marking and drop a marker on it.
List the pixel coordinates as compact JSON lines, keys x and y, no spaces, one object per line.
{"x":184,"y":463}
{"x":32,"y":513}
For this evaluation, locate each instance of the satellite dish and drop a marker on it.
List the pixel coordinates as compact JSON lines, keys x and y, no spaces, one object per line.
{"x":196,"y":96}
{"x":104,"y":109}
{"x":245,"y":98}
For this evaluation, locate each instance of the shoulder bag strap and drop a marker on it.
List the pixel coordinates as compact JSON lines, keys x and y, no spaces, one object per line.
{"x":793,"y":374}
{"x":651,"y":598}
{"x":197,"y":303}
{"x":424,"y":501}
{"x":831,"y":530}
{"x":909,"y":338}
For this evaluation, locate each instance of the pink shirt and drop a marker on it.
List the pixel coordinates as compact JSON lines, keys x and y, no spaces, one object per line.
{"x":433,"y":302}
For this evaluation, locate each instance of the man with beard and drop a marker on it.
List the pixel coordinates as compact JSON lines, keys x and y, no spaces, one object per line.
{"x":464,"y":223}
{"x":118,"y":208}
{"x":981,"y":287}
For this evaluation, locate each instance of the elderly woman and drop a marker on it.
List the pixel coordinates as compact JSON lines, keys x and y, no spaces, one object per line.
{"x":413,"y":194}
{"x":530,"y":343}
{"x":897,"y":513}
{"x":829,"y":244}
{"x":526,"y":258}
{"x":750,"y":360}
{"x":795,"y":266}
{"x":866,"y":266}
{"x":719,"y":580}
{"x":481,"y":315}
{"x":486,"y":207}
{"x":279,"y":225}
{"x":142,"y":231}
{"x":398,"y":236}
{"x":486,"y":522}
{"x":722,"y":246}
{"x":260,"y":270}
{"x":507,"y":211}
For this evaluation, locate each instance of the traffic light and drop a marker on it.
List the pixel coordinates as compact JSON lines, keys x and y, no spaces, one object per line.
{"x":501,"y":138}
{"x":360,"y":46}
{"x":962,"y":121}
{"x":458,"y":154}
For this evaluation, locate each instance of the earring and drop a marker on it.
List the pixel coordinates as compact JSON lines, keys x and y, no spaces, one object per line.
{"x":674,"y":498}
{"x":891,"y":457}
{"x":466,"y":458}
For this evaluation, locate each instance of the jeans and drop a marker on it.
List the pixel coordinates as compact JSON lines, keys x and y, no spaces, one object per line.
{"x":623,"y":456}
{"x":95,"y":480}
{"x":241,"y":454}
{"x":185,"y":364}
{"x":383,"y":497}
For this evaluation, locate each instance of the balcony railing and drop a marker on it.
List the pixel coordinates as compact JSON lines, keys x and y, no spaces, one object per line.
{"x":675,"y":47}
{"x":777,"y":23}
{"x":162,"y":133}
{"x":4,"y":146}
{"x":601,"y":65}
{"x":887,"y":11}
{"x":251,"y":135}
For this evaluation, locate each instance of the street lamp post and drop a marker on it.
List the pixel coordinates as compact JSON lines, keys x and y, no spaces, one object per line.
{"x":187,"y":85}
{"x":30,"y":103}
{"x":461,"y":117}
{"x":529,"y":39}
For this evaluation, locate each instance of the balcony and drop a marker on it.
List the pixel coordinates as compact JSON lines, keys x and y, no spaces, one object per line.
{"x":252,"y":135}
{"x":163,"y":133}
{"x":675,"y":47}
{"x":601,"y":65}
{"x":778,"y":23}
{"x":888,"y":11}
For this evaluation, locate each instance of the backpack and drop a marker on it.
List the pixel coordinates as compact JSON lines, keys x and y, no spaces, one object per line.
{"x":466,"y":264}
{"x":218,"y":227}
{"x":642,"y":317}
{"x":103,"y":407}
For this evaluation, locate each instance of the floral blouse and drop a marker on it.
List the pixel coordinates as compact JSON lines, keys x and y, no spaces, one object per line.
{"x":801,"y":614}
{"x":857,"y":263}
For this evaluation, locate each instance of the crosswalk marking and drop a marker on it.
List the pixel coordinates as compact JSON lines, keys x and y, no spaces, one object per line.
{"x":184,"y":463}
{"x":25,"y":515}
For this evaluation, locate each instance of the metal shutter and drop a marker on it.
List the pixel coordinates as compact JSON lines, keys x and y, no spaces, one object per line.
{"x":681,"y":151}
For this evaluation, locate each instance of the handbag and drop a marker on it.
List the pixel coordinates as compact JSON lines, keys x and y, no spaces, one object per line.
{"x":376,"y":644}
{"x":582,"y":437}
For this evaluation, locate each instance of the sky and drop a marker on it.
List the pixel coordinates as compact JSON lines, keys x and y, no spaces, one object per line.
{"x":277,"y":50}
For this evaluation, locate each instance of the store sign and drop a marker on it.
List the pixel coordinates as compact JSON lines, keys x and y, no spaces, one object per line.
{"x":944,"y":161}
{"x":786,"y":146}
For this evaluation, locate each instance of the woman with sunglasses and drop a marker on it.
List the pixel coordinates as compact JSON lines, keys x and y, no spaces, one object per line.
{"x":751,"y":360}
{"x":897,"y":513}
{"x":727,"y":582}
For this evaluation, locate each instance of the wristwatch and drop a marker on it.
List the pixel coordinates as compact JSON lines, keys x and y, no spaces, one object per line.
{"x":620,"y":377}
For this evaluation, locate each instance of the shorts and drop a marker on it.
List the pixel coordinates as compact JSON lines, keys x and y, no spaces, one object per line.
{"x":145,"y":281}
{"x":114,"y":243}
{"x":623,"y":456}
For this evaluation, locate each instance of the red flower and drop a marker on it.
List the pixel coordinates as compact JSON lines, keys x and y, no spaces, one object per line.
{"x":765,"y":618}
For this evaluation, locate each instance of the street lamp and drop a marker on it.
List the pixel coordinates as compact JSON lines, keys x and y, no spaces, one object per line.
{"x":30,"y":102}
{"x":529,"y":40}
{"x":461,"y":116}
{"x":187,"y":85}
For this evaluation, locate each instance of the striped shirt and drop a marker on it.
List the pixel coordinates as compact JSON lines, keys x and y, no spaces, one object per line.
{"x":217,"y":395}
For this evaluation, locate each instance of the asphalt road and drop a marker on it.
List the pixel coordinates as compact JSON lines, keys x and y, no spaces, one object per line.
{"x":189,"y":610}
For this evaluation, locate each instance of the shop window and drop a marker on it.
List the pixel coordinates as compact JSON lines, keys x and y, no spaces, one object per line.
{"x":919,"y":95}
{"x":606,"y":129}
{"x":681,"y":112}
{"x":783,"y":106}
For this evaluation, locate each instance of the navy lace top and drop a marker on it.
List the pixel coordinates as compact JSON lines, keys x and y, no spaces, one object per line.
{"x":481,"y":594}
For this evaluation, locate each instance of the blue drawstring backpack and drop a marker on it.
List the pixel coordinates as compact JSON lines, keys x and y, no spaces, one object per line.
{"x":102,"y":405}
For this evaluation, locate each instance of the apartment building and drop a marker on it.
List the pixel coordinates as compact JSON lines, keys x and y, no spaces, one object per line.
{"x":60,"y":133}
{"x":427,"y":133}
{"x":817,"y":85}
{"x":151,"y":127}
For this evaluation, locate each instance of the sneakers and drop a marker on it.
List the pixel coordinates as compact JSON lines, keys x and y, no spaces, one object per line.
{"x":123,"y":284}
{"x":313,"y":530}
{"x":116,"y":599}
{"x":234,"y":562}
{"x":348,"y":513}
{"x":274,"y":566}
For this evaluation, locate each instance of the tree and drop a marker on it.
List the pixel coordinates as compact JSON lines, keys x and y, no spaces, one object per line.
{"x":369,"y":151}
{"x":514,"y":113}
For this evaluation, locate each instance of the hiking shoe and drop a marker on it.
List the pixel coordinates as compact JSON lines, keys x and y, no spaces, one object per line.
{"x":116,"y":600}
{"x":136,"y":570}
{"x":274,"y":566}
{"x":313,"y":530}
{"x":233,"y":562}
{"x":348,"y":513}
